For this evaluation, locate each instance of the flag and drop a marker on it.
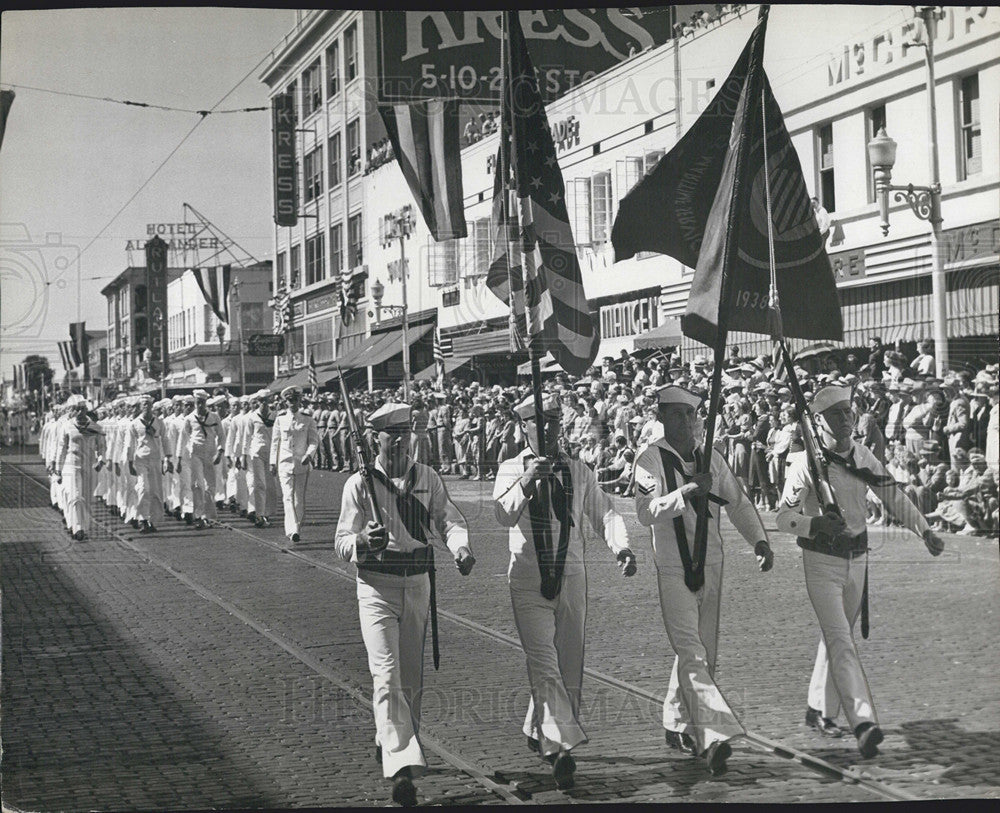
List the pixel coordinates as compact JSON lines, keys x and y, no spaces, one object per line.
{"x":6,"y":100}
{"x":704,"y":204}
{"x":19,"y":377}
{"x":78,"y":335}
{"x":438,"y":356}
{"x":214,"y":284}
{"x":313,"y":382}
{"x":68,"y":353}
{"x":557,"y":315}
{"x":282,"y":310}
{"x":352,"y":288}
{"x":425,"y":141}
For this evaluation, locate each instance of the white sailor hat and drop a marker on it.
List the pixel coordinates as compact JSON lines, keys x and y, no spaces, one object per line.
{"x":163,"y":403}
{"x":390,"y":416}
{"x":187,"y":399}
{"x":292,"y":390}
{"x":525,"y":410}
{"x":672,"y":394}
{"x":177,"y":399}
{"x":216,"y":400}
{"x":74,"y":400}
{"x":141,"y":399}
{"x":827,"y":396}
{"x":262,"y":395}
{"x":200,"y":394}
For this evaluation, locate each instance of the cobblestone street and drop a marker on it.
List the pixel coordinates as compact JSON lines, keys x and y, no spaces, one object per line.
{"x":226,"y":669}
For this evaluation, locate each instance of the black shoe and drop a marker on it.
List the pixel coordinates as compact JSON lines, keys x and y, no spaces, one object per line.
{"x":716,"y":755}
{"x":152,"y":528}
{"x":869,"y":736}
{"x":258,"y":522}
{"x":534,"y":746}
{"x":200,"y":524}
{"x":145,"y":528}
{"x":177,"y":512}
{"x":824,"y":725}
{"x":252,"y":516}
{"x":404,"y":792}
{"x":563,"y":769}
{"x":681,"y":742}
{"x":78,"y":536}
{"x":295,"y":537}
{"x":243,"y":513}
{"x":189,"y":518}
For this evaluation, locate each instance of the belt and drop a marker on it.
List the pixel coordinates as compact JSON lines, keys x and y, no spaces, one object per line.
{"x":844,"y":547}
{"x":398,"y":564}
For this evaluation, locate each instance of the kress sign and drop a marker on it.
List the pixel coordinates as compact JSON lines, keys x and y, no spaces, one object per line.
{"x":427,"y":54}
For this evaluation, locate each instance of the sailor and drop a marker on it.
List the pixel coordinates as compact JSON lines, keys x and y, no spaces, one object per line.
{"x":184,"y":467}
{"x":669,"y":491}
{"x":294,"y":441}
{"x":836,"y":576}
{"x":395,"y":567}
{"x":543,"y":499}
{"x":146,"y":449}
{"x":262,"y":486}
{"x":75,"y":463}
{"x":202,"y":433}
{"x":225,"y":473}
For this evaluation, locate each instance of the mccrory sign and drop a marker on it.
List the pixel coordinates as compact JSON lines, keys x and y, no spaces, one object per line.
{"x":427,"y":54}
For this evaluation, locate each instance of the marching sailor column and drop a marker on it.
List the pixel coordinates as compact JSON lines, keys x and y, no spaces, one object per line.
{"x":668,"y":494}
{"x":201,"y":429}
{"x":836,"y":576}
{"x":395,"y":564}
{"x":294,"y":441}
{"x":146,"y":450}
{"x":548,"y":578}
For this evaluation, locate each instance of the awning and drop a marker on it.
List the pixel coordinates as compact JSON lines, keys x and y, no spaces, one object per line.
{"x":450,"y":365}
{"x":549,"y":365}
{"x":299,"y":378}
{"x":378,"y":348}
{"x":666,"y":335}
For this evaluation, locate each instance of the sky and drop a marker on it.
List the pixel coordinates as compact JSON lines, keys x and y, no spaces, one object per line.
{"x":69,"y":164}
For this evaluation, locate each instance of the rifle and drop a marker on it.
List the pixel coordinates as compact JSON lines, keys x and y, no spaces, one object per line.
{"x":364,"y":460}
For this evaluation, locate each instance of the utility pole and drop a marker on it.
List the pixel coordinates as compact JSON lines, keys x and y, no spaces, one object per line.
{"x":399,"y":225}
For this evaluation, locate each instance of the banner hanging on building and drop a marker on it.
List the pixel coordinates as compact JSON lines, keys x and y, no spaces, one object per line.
{"x":156,"y":301}
{"x":431,"y":54}
{"x":286,"y":198}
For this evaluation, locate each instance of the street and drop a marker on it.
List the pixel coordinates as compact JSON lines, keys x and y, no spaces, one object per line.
{"x":226,"y":669}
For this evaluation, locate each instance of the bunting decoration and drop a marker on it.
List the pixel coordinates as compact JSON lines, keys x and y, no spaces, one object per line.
{"x":214,"y":283}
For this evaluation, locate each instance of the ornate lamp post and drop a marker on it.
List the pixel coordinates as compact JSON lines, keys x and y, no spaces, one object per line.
{"x":925,"y":201}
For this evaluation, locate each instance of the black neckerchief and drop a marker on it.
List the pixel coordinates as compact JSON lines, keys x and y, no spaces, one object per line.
{"x":413,"y":513}
{"x":268,"y":422}
{"x":204,"y":423}
{"x":866,"y":475}
{"x":694,"y":566}
{"x":87,"y":428}
{"x":149,"y":426}
{"x":552,"y":562}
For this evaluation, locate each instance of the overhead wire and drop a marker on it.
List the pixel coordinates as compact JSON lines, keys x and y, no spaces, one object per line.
{"x":130,"y":103}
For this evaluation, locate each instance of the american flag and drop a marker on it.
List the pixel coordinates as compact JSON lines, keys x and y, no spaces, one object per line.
{"x":214,"y":284}
{"x":313,"y":382}
{"x":282,"y":310}
{"x":544,"y":278}
{"x":69,"y":354}
{"x":438,"y":355}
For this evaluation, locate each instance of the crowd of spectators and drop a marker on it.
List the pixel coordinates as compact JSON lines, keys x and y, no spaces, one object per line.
{"x":477,"y":129}
{"x":379,"y":153}
{"x":700,"y":20}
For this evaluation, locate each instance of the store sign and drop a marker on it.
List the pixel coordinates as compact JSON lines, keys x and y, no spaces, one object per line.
{"x":430,"y":54}
{"x":286,"y":202}
{"x":566,"y":134}
{"x":904,"y":42}
{"x":177,"y":237}
{"x":848,"y":264}
{"x":629,"y":318}
{"x":322,"y":303}
{"x":971,"y":243}
{"x":156,"y":301}
{"x":266,"y":344}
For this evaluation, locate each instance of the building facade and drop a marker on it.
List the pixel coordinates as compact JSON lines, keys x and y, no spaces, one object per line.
{"x":839,"y":74}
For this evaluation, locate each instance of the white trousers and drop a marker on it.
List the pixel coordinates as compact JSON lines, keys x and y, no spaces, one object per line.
{"x":293,"y":496}
{"x":77,"y":488}
{"x":149,"y":488}
{"x":127,"y":496}
{"x":262,"y":491}
{"x":223,"y":474}
{"x":394,"y":611}
{"x":552,"y":636}
{"x":694,"y":703}
{"x":243,"y":487}
{"x":202,"y":486}
{"x":838,"y":680}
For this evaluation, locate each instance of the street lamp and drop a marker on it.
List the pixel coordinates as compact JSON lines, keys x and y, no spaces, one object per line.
{"x":924,"y":201}
{"x":398,"y":225}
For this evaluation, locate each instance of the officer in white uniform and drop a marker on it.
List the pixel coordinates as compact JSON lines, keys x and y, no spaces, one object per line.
{"x":831,"y":558}
{"x":202,"y":434}
{"x":668,"y":492}
{"x":262,"y":486}
{"x":394,"y":588}
{"x":550,"y":611}
{"x":294,"y":441}
{"x":146,"y":450}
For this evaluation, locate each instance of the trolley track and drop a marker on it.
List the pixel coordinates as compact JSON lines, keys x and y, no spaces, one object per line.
{"x":766,"y":745}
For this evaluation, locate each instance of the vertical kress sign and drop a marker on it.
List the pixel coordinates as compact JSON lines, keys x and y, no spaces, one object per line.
{"x":156,"y":300}
{"x":286,"y":203}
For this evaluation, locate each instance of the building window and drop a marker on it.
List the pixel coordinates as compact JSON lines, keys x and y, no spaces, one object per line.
{"x":295,"y":269}
{"x":252,"y":317}
{"x":353,"y":147}
{"x":824,"y":136}
{"x":334,"y":156}
{"x":651,"y":159}
{"x":333,"y":69}
{"x":579,"y":192}
{"x":281,"y":268}
{"x":601,"y":189}
{"x":315,"y":259}
{"x":355,"y":254}
{"x":876,"y":121}
{"x":295,"y":345}
{"x":476,"y":253}
{"x":319,"y":340}
{"x":442,"y":263}
{"x":312,"y":90}
{"x":971,"y":129}
{"x":351,"y":52}
{"x":313,"y":167}
{"x":336,"y":249}
{"x":292,"y":90}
